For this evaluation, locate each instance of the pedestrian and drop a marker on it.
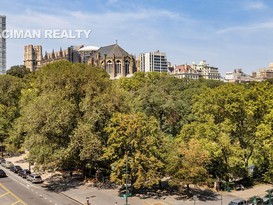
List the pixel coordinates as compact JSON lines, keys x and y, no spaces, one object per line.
{"x":116,"y":203}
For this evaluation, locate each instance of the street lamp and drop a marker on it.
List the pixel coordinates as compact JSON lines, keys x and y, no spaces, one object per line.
{"x":126,"y":185}
{"x":87,"y":201}
{"x":194,"y":199}
{"x":254,"y":200}
{"x":269,"y":196}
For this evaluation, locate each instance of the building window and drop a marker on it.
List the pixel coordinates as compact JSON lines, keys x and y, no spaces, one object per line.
{"x":108,"y":67}
{"x":127,"y":70}
{"x":118,"y":67}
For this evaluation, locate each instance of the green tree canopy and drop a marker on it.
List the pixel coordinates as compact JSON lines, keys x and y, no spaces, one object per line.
{"x":19,"y":71}
{"x":140,"y":138}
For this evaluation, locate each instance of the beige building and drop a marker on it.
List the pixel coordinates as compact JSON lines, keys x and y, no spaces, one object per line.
{"x":237,"y":76}
{"x":263,"y":73}
{"x":34,"y":59}
{"x":206,"y":71}
{"x":196,"y":71}
{"x":185,"y":71}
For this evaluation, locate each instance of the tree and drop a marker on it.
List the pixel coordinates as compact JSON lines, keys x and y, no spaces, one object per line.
{"x":52,"y":111}
{"x":10,"y":92}
{"x":164,"y":97}
{"x":228,"y":116}
{"x":187,"y":162}
{"x":19,"y":71}
{"x":139,"y":137}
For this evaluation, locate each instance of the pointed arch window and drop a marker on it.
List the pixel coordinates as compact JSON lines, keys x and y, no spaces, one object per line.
{"x":118,"y":67}
{"x":127,"y":66}
{"x":109,"y":67}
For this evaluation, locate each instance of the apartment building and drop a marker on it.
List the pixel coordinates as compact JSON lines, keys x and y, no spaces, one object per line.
{"x":196,"y":71}
{"x":237,"y":76}
{"x":206,"y":71}
{"x":153,"y":61}
{"x":2,"y":45}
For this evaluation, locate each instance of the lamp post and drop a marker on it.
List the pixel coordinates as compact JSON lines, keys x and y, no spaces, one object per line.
{"x":254,"y":200}
{"x":194,"y":199}
{"x":126,"y":185}
{"x":221,"y":197}
{"x":87,"y":201}
{"x":269,"y":196}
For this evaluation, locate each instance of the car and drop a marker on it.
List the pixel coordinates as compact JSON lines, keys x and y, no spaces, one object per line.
{"x":16,"y":169}
{"x":7,"y":164}
{"x":24,"y":173}
{"x":268,"y":199}
{"x":240,"y":187}
{"x":251,"y":201}
{"x":34,"y":178}
{"x":2,"y":173}
{"x":3,"y":161}
{"x":238,"y":202}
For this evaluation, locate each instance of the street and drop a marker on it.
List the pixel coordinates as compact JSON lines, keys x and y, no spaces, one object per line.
{"x":16,"y":190}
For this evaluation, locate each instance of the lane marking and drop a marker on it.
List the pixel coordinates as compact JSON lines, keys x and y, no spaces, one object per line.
{"x":4,"y":194}
{"x":16,"y":202}
{"x":12,"y":194}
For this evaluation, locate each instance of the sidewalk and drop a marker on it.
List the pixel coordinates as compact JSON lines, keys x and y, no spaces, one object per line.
{"x":258,"y":190}
{"x":109,"y":196}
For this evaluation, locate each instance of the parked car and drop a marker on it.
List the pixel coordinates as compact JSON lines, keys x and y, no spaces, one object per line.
{"x":238,"y":202}
{"x":240,"y":187}
{"x":16,"y":169}
{"x":268,"y":199}
{"x":7,"y":164}
{"x":3,"y":161}
{"x":34,"y":178}
{"x":24,"y":173}
{"x":259,"y":201}
{"x":2,"y":173}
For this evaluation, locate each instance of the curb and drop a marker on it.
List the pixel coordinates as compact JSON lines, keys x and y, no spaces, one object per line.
{"x":71,"y":198}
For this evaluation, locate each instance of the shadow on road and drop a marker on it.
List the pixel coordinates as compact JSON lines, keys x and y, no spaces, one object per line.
{"x":185,"y":194}
{"x":59,"y":182}
{"x":205,"y":195}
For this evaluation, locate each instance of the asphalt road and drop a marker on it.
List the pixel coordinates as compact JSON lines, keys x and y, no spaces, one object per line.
{"x":19,"y":191}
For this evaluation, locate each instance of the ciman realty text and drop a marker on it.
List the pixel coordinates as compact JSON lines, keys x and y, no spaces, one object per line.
{"x":47,"y":33}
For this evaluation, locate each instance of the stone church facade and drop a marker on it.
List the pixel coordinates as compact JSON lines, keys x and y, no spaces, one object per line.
{"x":34,"y":59}
{"x":115,"y":60}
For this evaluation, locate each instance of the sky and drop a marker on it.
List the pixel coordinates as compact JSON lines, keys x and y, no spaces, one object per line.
{"x":228,"y":34}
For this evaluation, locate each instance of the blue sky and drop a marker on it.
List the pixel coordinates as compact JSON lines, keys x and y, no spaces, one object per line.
{"x":228,"y":34}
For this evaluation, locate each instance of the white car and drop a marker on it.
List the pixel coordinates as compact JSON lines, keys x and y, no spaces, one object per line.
{"x":8,"y":164}
{"x":238,"y":202}
{"x":34,"y":178}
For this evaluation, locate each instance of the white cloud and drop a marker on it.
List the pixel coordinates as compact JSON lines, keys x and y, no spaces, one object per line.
{"x":111,"y":2}
{"x":252,"y":28}
{"x":255,"y":6}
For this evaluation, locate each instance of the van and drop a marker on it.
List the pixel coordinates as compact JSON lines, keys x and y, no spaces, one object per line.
{"x":238,"y":202}
{"x":34,"y":178}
